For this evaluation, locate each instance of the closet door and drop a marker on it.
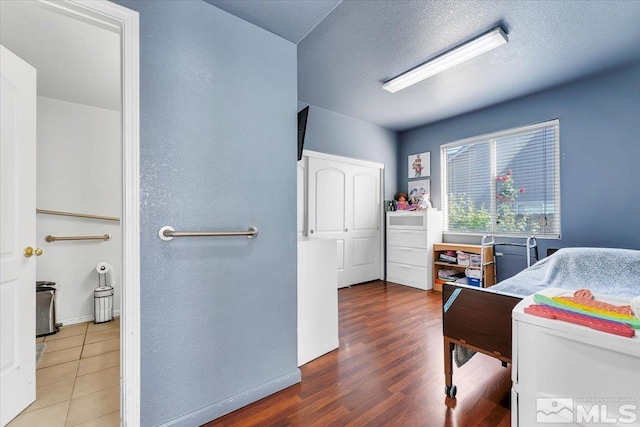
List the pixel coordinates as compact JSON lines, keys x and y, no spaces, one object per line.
{"x":344,"y":204}
{"x":363,"y":222}
{"x":328,"y":198}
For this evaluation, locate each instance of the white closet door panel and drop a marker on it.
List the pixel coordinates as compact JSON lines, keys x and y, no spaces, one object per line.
{"x":343,"y":263}
{"x":327,"y":198}
{"x":340,"y":254}
{"x":365,"y":219}
{"x":330,"y":201}
{"x":365,"y":201}
{"x":365,"y":251}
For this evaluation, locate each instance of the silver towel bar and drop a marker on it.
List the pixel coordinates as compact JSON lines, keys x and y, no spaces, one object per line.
{"x":52,"y":239}
{"x":78,"y":215}
{"x":168,"y":233}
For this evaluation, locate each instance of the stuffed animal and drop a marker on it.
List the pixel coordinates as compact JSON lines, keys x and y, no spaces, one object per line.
{"x":424,"y":202}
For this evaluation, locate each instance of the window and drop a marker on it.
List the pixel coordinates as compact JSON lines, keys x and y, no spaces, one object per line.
{"x":506,"y":183}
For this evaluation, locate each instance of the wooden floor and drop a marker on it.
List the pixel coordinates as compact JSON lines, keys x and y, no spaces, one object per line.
{"x":388,"y":371}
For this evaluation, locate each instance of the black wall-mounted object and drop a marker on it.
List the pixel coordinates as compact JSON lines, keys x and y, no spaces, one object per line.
{"x":302,"y":127}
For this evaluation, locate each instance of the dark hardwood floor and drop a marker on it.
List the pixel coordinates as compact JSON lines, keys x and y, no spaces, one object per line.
{"x":388,"y":371}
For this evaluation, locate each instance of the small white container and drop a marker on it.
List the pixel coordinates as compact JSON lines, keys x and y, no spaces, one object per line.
{"x":475,"y":260}
{"x":476,"y":274}
{"x":463,"y":258}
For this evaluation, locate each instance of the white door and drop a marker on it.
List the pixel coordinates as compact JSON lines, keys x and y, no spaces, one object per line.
{"x":328,"y":196}
{"x":344,"y":204}
{"x":17,"y":232}
{"x":364,"y":224}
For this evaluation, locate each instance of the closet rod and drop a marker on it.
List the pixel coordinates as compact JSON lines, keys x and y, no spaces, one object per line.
{"x":79,"y":215}
{"x":51,"y":238}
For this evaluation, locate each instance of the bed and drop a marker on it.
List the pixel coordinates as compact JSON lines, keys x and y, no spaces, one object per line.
{"x":479,"y":319}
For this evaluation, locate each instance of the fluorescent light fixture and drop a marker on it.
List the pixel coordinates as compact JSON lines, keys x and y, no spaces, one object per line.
{"x":455,"y":56}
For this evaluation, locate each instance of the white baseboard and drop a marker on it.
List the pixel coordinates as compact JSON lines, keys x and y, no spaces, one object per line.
{"x":83,"y":319}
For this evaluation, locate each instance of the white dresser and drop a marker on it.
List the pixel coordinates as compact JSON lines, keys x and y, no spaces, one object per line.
{"x":410,"y":239}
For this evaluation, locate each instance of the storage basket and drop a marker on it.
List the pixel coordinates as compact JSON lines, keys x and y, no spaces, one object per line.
{"x":473,"y":282}
{"x":463,"y":258}
{"x":103,"y":304}
{"x":475,"y":260}
{"x":474,"y":277}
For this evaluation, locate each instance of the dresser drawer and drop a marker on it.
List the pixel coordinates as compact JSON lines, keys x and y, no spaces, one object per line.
{"x":410,"y":275}
{"x":414,"y":239}
{"x":407,"y":255}
{"x":407,"y":220}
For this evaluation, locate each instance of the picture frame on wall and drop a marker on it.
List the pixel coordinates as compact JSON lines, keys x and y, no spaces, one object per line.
{"x":419,"y":165}
{"x":418,"y":187}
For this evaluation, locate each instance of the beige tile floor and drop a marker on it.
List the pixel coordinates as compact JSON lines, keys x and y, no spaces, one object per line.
{"x":77,"y":379}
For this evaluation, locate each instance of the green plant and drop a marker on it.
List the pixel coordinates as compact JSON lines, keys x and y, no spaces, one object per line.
{"x":506,"y":218}
{"x":464,"y":215}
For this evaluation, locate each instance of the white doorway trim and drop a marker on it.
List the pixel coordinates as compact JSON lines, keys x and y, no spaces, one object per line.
{"x":125,"y":22}
{"x":341,"y":159}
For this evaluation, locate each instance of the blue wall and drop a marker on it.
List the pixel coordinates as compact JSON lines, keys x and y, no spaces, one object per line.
{"x":600,"y":153}
{"x":218,"y":151}
{"x":333,"y":133}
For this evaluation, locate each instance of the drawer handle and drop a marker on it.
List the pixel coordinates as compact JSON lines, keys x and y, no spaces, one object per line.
{"x":405,"y":266}
{"x":404,"y":249}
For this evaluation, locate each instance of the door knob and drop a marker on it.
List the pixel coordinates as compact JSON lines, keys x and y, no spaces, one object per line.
{"x":311,"y":231}
{"x":38,"y":251}
{"x":346,"y":229}
{"x":28,"y":252}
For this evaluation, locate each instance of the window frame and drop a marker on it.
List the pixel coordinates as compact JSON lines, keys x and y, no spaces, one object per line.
{"x":491,"y":138}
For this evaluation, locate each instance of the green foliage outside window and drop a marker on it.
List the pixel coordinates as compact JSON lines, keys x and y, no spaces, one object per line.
{"x":464,"y":215}
{"x":506,"y":219}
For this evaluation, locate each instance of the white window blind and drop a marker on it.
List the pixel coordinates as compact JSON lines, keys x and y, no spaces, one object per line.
{"x":506,"y":183}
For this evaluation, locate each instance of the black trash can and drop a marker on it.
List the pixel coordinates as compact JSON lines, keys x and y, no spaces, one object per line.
{"x":46,"y":309}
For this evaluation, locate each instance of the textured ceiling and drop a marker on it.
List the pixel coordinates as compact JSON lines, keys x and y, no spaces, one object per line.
{"x":344,"y":60}
{"x":76,"y":61}
{"x":289,"y":19}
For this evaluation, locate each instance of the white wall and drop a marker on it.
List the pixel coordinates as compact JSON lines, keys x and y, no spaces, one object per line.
{"x":79,"y":169}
